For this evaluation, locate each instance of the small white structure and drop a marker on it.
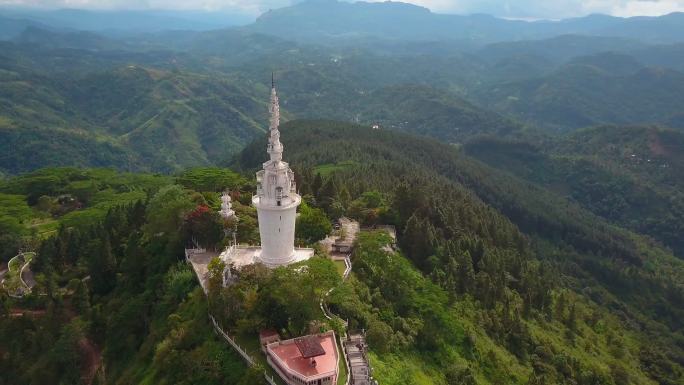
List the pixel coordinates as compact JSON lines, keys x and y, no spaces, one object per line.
{"x":226,"y":211}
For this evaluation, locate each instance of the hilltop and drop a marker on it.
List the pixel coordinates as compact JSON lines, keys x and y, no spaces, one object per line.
{"x":436,"y":194}
{"x":495,"y":279}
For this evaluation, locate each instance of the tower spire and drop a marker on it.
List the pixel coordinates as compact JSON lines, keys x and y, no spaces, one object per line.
{"x":275,"y":148}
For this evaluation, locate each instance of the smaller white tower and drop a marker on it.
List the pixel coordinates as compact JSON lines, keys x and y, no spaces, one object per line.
{"x":276,"y":199}
{"x":226,"y":211}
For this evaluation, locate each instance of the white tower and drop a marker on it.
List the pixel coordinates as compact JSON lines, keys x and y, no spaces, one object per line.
{"x":276,"y":199}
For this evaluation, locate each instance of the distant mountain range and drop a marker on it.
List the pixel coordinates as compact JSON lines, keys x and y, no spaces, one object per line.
{"x":593,"y":90}
{"x":14,"y":20}
{"x":332,"y":21}
{"x":166,"y":100}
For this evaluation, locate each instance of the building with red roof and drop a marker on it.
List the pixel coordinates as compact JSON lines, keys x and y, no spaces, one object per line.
{"x":308,"y":360}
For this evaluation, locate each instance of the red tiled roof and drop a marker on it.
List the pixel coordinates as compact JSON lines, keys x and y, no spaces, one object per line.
{"x":309,"y":346}
{"x":266,"y":333}
{"x":291,"y":357}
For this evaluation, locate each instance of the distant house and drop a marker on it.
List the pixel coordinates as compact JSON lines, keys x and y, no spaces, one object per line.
{"x":308,"y":360}
{"x":342,"y":246}
{"x":268,"y":336}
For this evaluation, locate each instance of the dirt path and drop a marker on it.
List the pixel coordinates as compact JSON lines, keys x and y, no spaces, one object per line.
{"x":17,"y":312}
{"x":91,"y":359}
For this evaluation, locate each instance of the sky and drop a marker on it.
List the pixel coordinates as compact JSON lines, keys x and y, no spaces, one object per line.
{"x":523,"y":9}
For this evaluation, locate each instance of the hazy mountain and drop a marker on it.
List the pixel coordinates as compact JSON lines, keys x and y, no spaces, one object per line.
{"x":332,"y":21}
{"x":610,"y":62}
{"x":671,"y":56}
{"x":39,"y":37}
{"x":12,"y":27}
{"x":126,"y":22}
{"x":559,"y":49}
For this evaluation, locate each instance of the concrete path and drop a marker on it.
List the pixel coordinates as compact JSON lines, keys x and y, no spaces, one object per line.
{"x":355,"y":349}
{"x":200,"y":262}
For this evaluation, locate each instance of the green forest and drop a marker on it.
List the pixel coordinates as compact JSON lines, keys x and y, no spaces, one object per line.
{"x":486,"y":286}
{"x":533,"y":172}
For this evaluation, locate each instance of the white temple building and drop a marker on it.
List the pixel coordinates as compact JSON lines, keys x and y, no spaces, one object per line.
{"x":276,"y":201}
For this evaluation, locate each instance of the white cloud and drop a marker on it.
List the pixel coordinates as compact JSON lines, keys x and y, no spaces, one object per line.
{"x":648,"y":8}
{"x":248,"y":6}
{"x":552,"y":9}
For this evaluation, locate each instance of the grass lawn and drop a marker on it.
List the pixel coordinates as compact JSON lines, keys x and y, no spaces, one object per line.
{"x":45,"y":226}
{"x":326,"y":169}
{"x":341,"y":267}
{"x":342,"y":378}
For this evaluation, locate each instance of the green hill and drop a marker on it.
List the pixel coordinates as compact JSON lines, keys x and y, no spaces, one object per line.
{"x":437,"y":196}
{"x":628,"y":175}
{"x":161,"y":117}
{"x":112,"y":303}
{"x":431,"y":112}
{"x":139,"y":118}
{"x":495,"y":280}
{"x":580,"y":95}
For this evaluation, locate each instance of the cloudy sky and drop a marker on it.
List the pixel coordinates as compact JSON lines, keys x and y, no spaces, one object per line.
{"x":532,"y":9}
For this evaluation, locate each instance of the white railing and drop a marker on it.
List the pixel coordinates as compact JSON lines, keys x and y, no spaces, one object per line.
{"x":25,"y":288}
{"x":190,"y":252}
{"x":248,"y":359}
{"x":344,"y":354}
{"x":21,"y":276}
{"x":269,"y":379}
{"x":242,"y":352}
{"x":347,"y":263}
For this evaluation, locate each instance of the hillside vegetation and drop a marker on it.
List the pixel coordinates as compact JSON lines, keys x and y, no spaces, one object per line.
{"x":114,"y":304}
{"x":489,"y":285}
{"x":628,"y":175}
{"x":533,"y":172}
{"x":464,"y":224}
{"x":587,"y":93}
